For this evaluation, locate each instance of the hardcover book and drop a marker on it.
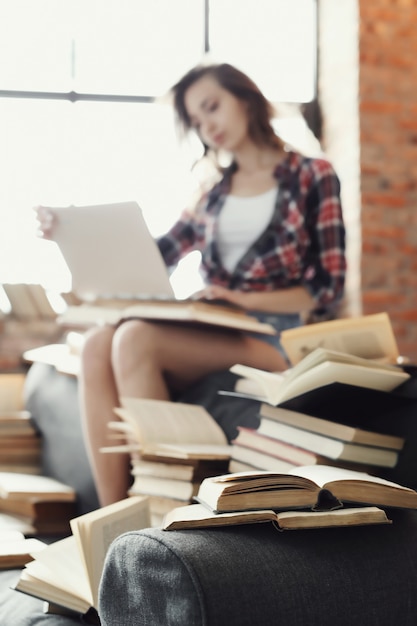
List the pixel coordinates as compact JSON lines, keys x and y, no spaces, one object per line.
{"x":316,"y":487}
{"x":198,"y":516}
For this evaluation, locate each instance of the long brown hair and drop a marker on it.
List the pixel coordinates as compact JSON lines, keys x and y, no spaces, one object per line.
{"x":260,"y":110}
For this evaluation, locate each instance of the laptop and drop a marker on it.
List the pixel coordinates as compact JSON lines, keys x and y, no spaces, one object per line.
{"x":110,"y":252}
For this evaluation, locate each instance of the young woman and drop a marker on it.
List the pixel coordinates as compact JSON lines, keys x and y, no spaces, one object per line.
{"x":271,"y":236}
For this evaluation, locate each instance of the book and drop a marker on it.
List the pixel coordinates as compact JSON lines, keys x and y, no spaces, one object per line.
{"x":43,"y":517}
{"x":316,"y":487}
{"x":257,"y":459}
{"x":168,"y":487}
{"x":240,"y":466}
{"x":160,"y":505}
{"x":328,"y":447}
{"x":368,"y":336}
{"x":15,"y":523}
{"x":269,"y":453}
{"x":11,"y":391}
{"x":67,"y":572}
{"x":41,"y":301}
{"x":64,"y":356}
{"x":42,"y":502}
{"x":318,"y":369}
{"x":171,"y":427}
{"x":16,"y":550}
{"x":336,"y":428}
{"x":16,"y":423}
{"x":198,"y":516}
{"x":167,"y":466}
{"x":16,"y":486}
{"x":57,"y":354}
{"x":22,"y":304}
{"x":189,"y":311}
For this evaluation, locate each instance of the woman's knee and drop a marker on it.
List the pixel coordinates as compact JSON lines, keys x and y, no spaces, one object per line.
{"x":134,"y":341}
{"x":97,"y":347}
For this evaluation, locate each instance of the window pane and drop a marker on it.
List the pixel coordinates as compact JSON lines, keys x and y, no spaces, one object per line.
{"x":274,"y":41}
{"x":35,"y":44}
{"x":116,"y":46}
{"x":136,"y":46}
{"x":57,"y":153}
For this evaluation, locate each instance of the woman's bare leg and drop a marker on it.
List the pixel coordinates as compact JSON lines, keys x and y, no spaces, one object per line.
{"x":149,"y":359}
{"x":146,"y":360}
{"x":98,"y":397}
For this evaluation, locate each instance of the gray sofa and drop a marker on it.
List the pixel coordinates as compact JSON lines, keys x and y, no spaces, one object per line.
{"x":243,"y":575}
{"x":255,"y":575}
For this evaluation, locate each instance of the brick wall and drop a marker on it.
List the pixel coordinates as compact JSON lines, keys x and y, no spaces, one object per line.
{"x":367,"y":85}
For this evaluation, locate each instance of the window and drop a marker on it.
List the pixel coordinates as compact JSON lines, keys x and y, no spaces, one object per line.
{"x":80,"y":118}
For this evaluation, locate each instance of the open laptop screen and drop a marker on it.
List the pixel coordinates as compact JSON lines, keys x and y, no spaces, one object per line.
{"x":110,"y":252}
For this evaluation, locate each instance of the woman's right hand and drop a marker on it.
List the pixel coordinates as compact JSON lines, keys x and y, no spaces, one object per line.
{"x":47,"y":221}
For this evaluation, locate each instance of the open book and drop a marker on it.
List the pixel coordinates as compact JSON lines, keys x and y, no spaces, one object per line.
{"x":189,"y":311}
{"x":316,"y":487}
{"x":67,"y":573}
{"x":198,"y":516}
{"x":165,"y":428}
{"x":368,"y":336}
{"x":319,"y":368}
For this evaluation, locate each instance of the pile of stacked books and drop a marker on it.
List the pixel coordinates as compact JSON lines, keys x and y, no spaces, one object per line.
{"x":171,"y":479}
{"x":20,"y":445}
{"x":331,"y":408}
{"x":173,"y":447}
{"x":286,"y":439}
{"x":34,"y":504}
{"x":314,"y":496}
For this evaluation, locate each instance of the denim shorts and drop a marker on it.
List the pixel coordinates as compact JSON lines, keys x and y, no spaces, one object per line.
{"x":279,"y":321}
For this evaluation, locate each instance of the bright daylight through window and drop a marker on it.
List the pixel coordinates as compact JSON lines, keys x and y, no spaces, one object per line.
{"x":57,"y":148}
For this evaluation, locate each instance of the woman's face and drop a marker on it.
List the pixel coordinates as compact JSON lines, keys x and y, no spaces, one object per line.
{"x":219,"y":118}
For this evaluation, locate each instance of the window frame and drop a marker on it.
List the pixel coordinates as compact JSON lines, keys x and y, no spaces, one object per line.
{"x":310,"y":110}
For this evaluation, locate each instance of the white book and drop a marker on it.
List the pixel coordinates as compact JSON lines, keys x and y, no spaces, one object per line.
{"x":320,"y":368}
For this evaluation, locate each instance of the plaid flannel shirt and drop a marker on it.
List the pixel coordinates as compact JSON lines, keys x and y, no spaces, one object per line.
{"x":304,"y":243}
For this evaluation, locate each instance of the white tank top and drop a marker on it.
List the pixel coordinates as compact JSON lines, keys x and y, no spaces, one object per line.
{"x":241,"y":221}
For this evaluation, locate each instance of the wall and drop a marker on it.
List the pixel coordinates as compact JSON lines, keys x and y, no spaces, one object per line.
{"x":368,"y":79}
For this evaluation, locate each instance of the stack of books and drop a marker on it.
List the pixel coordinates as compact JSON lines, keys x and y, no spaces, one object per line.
{"x":286,"y":439}
{"x":327,"y":409}
{"x":173,"y":446}
{"x":20,"y":444}
{"x":170,"y":479}
{"x":34,"y":504}
{"x":315,"y":496}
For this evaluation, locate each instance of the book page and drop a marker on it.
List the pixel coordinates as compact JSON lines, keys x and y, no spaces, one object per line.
{"x":164,"y":422}
{"x":347,"y":373}
{"x":95,"y":531}
{"x":369,"y":336}
{"x":355,"y":516}
{"x":323,"y":474}
{"x":59,"y":567}
{"x":278,"y":388}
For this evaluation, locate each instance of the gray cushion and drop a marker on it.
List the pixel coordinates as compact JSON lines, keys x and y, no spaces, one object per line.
{"x":253,"y":575}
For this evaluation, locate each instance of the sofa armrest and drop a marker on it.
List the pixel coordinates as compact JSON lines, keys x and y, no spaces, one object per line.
{"x":257,"y":575}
